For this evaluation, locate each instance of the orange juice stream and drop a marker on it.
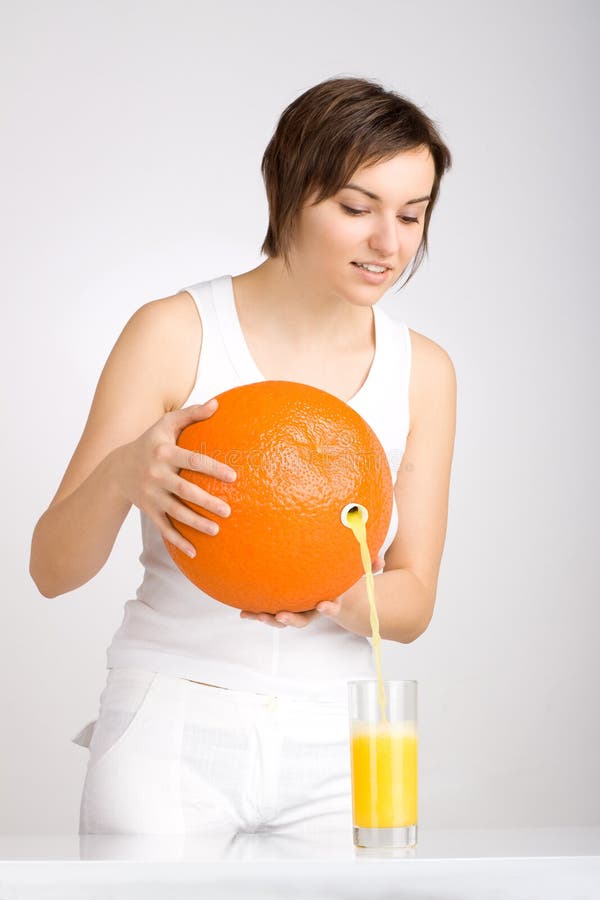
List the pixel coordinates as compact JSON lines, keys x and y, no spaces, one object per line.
{"x":358,"y":526}
{"x":384,"y":755}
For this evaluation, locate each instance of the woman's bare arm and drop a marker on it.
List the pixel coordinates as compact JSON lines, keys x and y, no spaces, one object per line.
{"x":422,"y":493}
{"x":75,"y":535}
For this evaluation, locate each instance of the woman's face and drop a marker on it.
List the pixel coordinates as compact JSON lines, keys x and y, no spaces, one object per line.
{"x":352,"y":227}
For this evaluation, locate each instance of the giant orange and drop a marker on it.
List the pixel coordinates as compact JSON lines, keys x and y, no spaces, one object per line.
{"x":302,"y":456}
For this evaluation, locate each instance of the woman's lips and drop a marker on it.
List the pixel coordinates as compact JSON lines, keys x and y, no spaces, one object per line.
{"x":371,"y":277}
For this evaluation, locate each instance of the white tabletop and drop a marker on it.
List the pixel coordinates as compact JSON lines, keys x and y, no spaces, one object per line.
{"x":517,"y":864}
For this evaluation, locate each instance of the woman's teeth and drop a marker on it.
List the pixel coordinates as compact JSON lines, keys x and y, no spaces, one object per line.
{"x":370,"y":268}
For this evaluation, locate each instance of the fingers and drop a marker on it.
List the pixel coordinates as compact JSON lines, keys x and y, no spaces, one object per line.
{"x":148,"y":476}
{"x":262,"y":617}
{"x":173,"y":536}
{"x":329,"y":607}
{"x":194,"y":413}
{"x":281,"y":620}
{"x":179,"y":487}
{"x":378,"y":564}
{"x":200,"y":462}
{"x":193,"y":493}
{"x":298,"y":620}
{"x":179,"y":512}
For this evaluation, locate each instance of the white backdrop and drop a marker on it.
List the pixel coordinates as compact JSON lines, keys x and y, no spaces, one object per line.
{"x":130,"y":164}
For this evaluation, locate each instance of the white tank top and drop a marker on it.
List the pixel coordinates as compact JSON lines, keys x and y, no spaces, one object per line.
{"x":173,"y":627}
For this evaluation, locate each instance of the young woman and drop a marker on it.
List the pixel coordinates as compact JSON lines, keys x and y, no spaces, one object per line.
{"x":211,"y":717}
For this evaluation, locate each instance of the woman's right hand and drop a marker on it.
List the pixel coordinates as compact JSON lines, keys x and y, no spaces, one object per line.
{"x":147,"y":475}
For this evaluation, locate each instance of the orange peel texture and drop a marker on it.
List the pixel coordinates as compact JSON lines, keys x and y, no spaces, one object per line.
{"x":301,"y":455}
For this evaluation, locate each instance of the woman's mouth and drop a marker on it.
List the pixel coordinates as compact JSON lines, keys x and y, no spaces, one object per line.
{"x":371,"y":277}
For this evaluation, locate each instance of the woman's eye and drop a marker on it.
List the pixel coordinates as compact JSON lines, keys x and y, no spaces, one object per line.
{"x":352,"y":212}
{"x":359,"y":212}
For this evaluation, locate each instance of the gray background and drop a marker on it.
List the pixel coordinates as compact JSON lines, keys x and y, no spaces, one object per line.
{"x":130,"y":157}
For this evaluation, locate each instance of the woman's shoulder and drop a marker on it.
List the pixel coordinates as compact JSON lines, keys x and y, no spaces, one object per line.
{"x":176,"y":311}
{"x":176,"y":319}
{"x":432,"y":372}
{"x":428,"y":351}
{"x":424,"y":350}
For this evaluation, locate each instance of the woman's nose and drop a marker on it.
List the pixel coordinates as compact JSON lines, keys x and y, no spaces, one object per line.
{"x":385,"y":239}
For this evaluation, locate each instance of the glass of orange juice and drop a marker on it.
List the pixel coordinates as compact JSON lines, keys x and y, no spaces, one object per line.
{"x":383,"y":758}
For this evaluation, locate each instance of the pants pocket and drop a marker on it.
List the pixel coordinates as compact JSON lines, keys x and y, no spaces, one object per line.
{"x":126,"y":694}
{"x":133,"y":778}
{"x":83,"y":737}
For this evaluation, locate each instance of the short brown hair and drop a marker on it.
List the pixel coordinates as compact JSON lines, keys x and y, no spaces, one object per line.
{"x":325,"y":135}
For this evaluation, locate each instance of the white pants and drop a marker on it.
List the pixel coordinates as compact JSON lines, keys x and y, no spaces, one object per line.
{"x":170,"y":756}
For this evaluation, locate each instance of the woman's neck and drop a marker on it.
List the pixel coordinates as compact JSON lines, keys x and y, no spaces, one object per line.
{"x":291,"y":310}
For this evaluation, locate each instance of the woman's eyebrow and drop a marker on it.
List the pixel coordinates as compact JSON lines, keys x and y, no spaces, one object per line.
{"x":357,"y":187}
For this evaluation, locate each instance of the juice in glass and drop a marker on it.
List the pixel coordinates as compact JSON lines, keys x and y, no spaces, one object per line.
{"x":384,"y":764}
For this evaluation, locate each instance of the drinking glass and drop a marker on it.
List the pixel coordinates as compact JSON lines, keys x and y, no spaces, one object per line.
{"x":383,"y":757}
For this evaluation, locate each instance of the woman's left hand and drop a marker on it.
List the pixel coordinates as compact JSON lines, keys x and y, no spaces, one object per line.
{"x":331,"y":608}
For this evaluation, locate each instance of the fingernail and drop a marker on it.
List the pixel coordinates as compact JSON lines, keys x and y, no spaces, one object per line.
{"x":283,"y":619}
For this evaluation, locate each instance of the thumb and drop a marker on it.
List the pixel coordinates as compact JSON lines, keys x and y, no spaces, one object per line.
{"x":209,"y":405}
{"x":180,"y":419}
{"x":196,"y":411}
